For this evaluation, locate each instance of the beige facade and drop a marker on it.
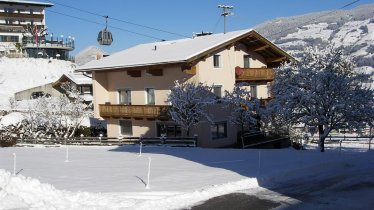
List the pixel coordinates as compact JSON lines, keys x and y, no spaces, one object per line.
{"x":216,"y":66}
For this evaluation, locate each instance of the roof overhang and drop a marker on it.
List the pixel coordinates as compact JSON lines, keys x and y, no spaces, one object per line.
{"x":124,"y":67}
{"x":273,"y":55}
{"x":32,"y":3}
{"x":254,"y":42}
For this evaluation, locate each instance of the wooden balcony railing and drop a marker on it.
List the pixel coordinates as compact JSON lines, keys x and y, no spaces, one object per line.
{"x":254,"y":74}
{"x":134,"y":111}
{"x":21,"y":15}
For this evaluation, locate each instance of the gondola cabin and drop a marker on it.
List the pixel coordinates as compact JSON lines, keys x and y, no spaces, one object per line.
{"x":105,"y":37}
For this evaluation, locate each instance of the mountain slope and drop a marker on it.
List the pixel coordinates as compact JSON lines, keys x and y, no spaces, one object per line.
{"x":351,"y":29}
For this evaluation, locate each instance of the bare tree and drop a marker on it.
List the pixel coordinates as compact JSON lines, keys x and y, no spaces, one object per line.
{"x":56,"y":116}
{"x":243,"y":107}
{"x":323,"y":90}
{"x":189,"y":103}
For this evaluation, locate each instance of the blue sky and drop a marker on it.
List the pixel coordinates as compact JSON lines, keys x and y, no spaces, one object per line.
{"x":177,"y":16}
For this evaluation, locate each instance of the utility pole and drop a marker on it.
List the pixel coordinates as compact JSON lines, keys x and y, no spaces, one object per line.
{"x":226,"y":10}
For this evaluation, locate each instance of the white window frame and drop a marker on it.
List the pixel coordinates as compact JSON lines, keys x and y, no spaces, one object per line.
{"x":249,"y":60}
{"x":222,"y":92}
{"x":220,"y":63}
{"x":146,"y":95}
{"x":119,"y":95}
{"x":255,"y":89}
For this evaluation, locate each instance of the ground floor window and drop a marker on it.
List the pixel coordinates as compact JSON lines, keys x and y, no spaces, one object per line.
{"x":169,"y":130}
{"x":126,"y":127}
{"x":219,"y":130}
{"x":253,"y":91}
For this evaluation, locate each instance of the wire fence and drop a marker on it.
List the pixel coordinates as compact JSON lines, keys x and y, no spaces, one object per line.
{"x":106,"y":141}
{"x":345,"y":142}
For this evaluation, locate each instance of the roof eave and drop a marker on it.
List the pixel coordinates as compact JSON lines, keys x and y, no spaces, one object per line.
{"x":129,"y":66}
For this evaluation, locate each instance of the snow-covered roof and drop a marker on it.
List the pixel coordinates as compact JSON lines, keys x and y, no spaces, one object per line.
{"x":27,"y":2}
{"x":175,"y":51}
{"x":78,"y":78}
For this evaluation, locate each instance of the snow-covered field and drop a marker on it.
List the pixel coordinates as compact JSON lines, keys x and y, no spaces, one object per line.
{"x":78,"y":177}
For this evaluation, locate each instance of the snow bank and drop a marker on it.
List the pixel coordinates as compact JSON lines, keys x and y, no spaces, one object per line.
{"x":11,"y":119}
{"x":25,"y":192}
{"x":28,"y":193}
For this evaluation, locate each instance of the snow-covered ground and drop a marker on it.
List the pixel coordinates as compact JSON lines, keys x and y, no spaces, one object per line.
{"x":78,"y":177}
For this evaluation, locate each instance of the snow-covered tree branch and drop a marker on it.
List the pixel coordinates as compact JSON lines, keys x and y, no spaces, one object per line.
{"x":323,"y":90}
{"x":243,"y":107}
{"x":189,"y":103}
{"x":56,"y":116}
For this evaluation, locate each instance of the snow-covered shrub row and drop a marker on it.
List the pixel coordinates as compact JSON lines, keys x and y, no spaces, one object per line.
{"x":8,"y":136}
{"x":47,"y":117}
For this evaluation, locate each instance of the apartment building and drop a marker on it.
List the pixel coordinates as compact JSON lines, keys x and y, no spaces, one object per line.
{"x":23,"y":31}
{"x":130,"y":88}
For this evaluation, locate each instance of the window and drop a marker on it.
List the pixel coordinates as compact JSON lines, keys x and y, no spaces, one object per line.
{"x":4,"y":38}
{"x":219,"y":130}
{"x":217,"y":90}
{"x":169,"y":129}
{"x":253,"y":91}
{"x":86,"y":90}
{"x":217,"y":61}
{"x":125,"y":96}
{"x":150,"y":96}
{"x":126,"y":127}
{"x":247,"y":59}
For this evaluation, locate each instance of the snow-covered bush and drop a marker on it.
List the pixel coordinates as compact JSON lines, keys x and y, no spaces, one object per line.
{"x":323,"y":90}
{"x":55,"y":116}
{"x":189,"y":102}
{"x":8,"y":136}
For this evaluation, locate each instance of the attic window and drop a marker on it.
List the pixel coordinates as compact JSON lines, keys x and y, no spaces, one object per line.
{"x":154,"y":72}
{"x":134,"y":73}
{"x":217,"y":61}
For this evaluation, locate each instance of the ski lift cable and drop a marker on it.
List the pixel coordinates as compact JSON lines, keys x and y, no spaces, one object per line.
{"x":119,"y":20}
{"x":97,"y":23}
{"x":287,"y":29}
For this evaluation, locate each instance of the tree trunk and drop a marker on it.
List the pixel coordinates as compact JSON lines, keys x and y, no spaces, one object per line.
{"x":321,"y":138}
{"x":188,"y":132}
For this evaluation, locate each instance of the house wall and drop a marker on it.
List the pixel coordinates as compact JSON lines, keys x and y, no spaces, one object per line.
{"x":225,"y":75}
{"x":107,"y":84}
{"x":26,"y":94}
{"x":100,"y":92}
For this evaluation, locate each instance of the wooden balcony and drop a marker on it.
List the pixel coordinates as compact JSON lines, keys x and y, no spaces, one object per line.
{"x":254,"y":74}
{"x":21,"y":15}
{"x":134,"y":111}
